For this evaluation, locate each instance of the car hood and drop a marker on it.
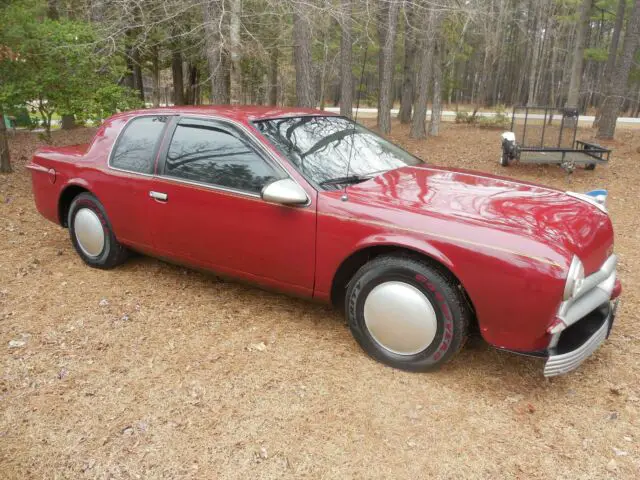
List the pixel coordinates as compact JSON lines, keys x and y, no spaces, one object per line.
{"x":510,"y":211}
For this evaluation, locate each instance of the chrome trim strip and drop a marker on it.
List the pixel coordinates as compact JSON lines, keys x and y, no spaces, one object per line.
{"x":37,"y":168}
{"x":590,"y":282}
{"x":595,"y":291}
{"x":560,"y":364}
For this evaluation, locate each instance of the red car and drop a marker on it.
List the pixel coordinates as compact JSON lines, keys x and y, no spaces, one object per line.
{"x":318,"y":206}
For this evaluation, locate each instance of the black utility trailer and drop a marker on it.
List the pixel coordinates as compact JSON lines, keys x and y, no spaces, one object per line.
{"x":548,"y":135}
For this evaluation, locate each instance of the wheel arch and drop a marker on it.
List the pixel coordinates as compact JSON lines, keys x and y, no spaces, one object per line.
{"x":68,"y":193}
{"x":350,"y":265}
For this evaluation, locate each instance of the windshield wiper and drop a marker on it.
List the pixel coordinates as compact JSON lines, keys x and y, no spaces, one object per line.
{"x":351,"y":179}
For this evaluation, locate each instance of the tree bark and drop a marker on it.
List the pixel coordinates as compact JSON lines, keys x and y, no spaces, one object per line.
{"x":192,"y":84}
{"x":5,"y":159}
{"x":302,"y":60}
{"x":615,"y":98}
{"x":535,"y":53}
{"x":218,"y":72}
{"x":418,"y":123}
{"x":436,"y":109}
{"x":178,"y":79}
{"x":138,"y":83}
{"x":155,"y":73}
{"x":235,"y":91}
{"x":346,"y":74}
{"x":273,"y":76}
{"x":67,"y":121}
{"x":605,"y":82}
{"x":390,"y":19}
{"x":573,"y":98}
{"x":408,"y":74}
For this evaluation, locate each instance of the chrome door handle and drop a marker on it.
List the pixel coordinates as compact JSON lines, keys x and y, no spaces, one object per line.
{"x":158,"y":196}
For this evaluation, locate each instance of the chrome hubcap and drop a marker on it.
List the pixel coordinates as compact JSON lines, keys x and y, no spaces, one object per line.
{"x":400,"y":318}
{"x":89,"y":232}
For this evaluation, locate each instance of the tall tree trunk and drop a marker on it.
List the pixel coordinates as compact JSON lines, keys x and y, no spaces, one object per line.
{"x":67,"y":120}
{"x":408,"y":74}
{"x":302,"y":60}
{"x":390,"y":19}
{"x":573,"y":97}
{"x":235,"y":92}
{"x":218,"y":72}
{"x":178,"y":79}
{"x":606,"y":79}
{"x":346,"y":75}
{"x":425,"y":50}
{"x":5,"y":160}
{"x":535,"y":53}
{"x":273,"y":76}
{"x":192,"y":84}
{"x":436,"y":108}
{"x":155,"y":73}
{"x":137,"y":73}
{"x":615,"y":98}
{"x":323,"y":74}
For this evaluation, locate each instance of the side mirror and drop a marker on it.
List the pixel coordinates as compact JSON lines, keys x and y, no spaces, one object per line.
{"x":285,"y":192}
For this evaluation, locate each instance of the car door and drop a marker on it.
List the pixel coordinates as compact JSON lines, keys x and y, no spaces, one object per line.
{"x":124,"y":187}
{"x":208,"y":211}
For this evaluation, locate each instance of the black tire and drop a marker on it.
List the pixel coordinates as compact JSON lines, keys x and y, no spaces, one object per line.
{"x":504,"y":159}
{"x":451,"y":308}
{"x":113,"y":253}
{"x":590,"y":166}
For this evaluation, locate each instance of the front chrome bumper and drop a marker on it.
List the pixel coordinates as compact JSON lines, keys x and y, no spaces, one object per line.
{"x":580,"y":340}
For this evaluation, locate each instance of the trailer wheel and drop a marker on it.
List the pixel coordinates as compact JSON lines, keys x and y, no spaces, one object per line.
{"x":590,"y":166}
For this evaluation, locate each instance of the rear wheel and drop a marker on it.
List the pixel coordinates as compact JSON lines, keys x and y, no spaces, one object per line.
{"x":590,"y":166}
{"x":92,"y":235}
{"x":407,"y":314}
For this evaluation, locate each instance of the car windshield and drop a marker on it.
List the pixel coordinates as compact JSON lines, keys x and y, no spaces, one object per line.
{"x":320,"y":148}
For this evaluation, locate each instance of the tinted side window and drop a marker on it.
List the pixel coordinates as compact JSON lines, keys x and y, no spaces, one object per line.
{"x":136,"y":147}
{"x":201,"y":152}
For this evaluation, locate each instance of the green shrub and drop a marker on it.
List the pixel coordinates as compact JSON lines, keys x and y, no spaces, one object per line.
{"x":466,"y":117}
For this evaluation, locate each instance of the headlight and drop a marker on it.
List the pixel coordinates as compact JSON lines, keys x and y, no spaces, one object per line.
{"x":575,"y":279}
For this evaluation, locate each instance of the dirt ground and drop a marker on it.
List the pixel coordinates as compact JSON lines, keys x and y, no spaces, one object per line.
{"x":154,"y":371}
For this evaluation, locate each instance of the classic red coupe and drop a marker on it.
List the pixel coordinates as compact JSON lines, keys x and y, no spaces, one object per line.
{"x":318,"y":206}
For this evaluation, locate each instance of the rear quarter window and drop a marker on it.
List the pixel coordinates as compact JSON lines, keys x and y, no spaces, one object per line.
{"x":137,"y":145}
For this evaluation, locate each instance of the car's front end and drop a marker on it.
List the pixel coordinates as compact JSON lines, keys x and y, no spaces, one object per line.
{"x":584,"y":318}
{"x":588,"y":308}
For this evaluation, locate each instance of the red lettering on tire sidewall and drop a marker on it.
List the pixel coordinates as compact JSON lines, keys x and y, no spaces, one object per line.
{"x":447,"y":316}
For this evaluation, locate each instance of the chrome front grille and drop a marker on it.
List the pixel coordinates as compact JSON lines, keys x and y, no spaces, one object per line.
{"x":559,"y":364}
{"x":595,"y":291}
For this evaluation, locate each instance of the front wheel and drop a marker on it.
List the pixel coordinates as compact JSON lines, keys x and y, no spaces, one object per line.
{"x":92,"y":235}
{"x":407,"y":314}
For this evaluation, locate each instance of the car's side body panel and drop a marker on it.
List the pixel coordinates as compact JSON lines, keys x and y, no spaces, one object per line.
{"x":508,"y":250}
{"x":515,"y":296}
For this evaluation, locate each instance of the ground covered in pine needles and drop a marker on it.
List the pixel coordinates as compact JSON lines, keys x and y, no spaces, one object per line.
{"x":154,"y":371}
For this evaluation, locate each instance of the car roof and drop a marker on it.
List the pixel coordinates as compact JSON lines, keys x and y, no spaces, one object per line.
{"x":240,"y":113}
